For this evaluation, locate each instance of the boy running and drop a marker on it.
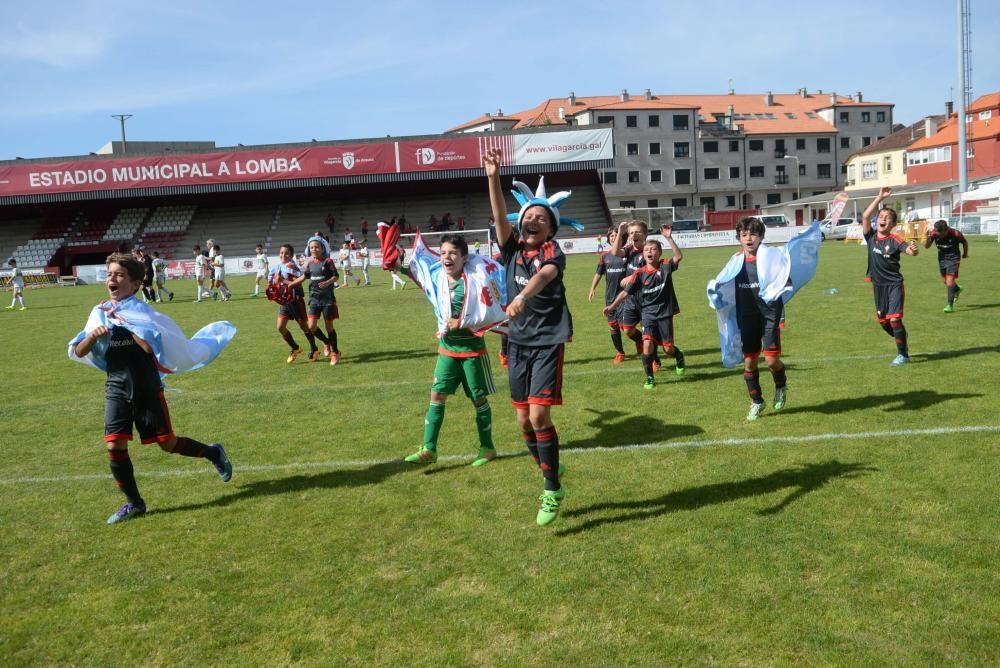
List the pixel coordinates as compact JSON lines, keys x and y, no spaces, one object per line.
{"x":321,"y":269}
{"x":160,"y":276}
{"x":628,"y":244}
{"x":17,"y":282}
{"x":884,"y":249}
{"x":219,"y":275}
{"x":365,"y":260}
{"x":200,"y":270}
{"x":462,"y":360}
{"x":125,"y":338}
{"x":283,"y":276}
{"x":654,"y":286}
{"x":540,"y":321}
{"x":948,"y":239}
{"x":612,"y":268}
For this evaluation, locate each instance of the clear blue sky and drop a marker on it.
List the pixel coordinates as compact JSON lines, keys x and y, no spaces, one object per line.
{"x":256,"y":72}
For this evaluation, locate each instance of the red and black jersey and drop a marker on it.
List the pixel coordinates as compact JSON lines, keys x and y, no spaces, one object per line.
{"x":546,"y":320}
{"x":653,"y":289}
{"x":749,"y":305}
{"x":949,"y":245}
{"x":132,"y":371}
{"x":612,"y":268}
{"x":318,"y":271}
{"x":883,"y":257}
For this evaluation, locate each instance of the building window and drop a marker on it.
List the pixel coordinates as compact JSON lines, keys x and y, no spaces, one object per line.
{"x":711,"y":173}
{"x":969,"y":152}
{"x":887,"y":164}
{"x":845,"y":142}
{"x":779,"y":147}
{"x":880,"y":117}
{"x":823,"y":171}
{"x":631,"y":121}
{"x":756,"y":144}
{"x":802,"y":169}
{"x":633,"y":176}
{"x":632,"y":149}
{"x":652,"y":203}
{"x":626,"y":204}
{"x":774,"y":198}
{"x":823,"y":145}
{"x":711,"y":147}
{"x":866,"y":141}
{"x":734,"y":172}
{"x":845,"y":117}
{"x":800,"y":144}
{"x":654,"y":120}
{"x":610,"y":177}
{"x":606,"y":120}
{"x":843,"y":169}
{"x":682,"y":177}
{"x":680,"y":122}
{"x":986,"y":115}
{"x":679,"y":201}
{"x":756,"y":172}
{"x":655,"y":176}
{"x":681,"y":149}
{"x":734,"y":145}
{"x":869,"y":170}
{"x":730,"y":201}
{"x":866,"y":117}
{"x":654,"y":148}
{"x":708,"y":203}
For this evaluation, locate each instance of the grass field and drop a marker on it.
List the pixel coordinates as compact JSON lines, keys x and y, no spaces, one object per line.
{"x":860,"y":526}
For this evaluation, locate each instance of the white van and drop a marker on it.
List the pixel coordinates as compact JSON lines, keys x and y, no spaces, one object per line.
{"x":774,"y":220}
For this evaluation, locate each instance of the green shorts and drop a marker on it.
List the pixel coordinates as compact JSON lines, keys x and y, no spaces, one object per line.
{"x":472,"y":373}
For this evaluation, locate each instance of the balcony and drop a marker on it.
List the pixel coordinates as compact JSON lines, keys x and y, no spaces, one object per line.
{"x":781,"y":179}
{"x":779,"y":154}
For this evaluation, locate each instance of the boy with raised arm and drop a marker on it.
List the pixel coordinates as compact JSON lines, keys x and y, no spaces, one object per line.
{"x":948,"y":239}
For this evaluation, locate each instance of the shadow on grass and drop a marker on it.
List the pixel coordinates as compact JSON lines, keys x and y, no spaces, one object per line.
{"x":800,"y":480}
{"x":951,"y":354}
{"x":913,"y":400}
{"x":387,"y":355}
{"x":372,"y":475}
{"x":977,"y":307}
{"x":617,"y":428}
{"x":631,"y":356}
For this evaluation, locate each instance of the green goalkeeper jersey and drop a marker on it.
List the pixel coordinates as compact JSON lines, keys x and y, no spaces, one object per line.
{"x":460,"y":342}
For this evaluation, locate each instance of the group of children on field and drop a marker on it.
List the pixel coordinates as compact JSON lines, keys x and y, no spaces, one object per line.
{"x":639,"y":291}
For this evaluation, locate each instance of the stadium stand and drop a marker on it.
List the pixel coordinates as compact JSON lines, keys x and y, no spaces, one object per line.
{"x":166,"y":228}
{"x":237,"y":228}
{"x":126,"y":224}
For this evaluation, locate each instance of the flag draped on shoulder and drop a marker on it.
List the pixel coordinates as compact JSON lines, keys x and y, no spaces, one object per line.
{"x":485,"y":289}
{"x":174,"y":352}
{"x":388,"y":237}
{"x":781,"y":273}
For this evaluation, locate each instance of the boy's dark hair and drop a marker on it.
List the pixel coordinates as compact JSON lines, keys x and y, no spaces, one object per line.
{"x":642,"y":223}
{"x":133,"y":266}
{"x":196,"y":248}
{"x":892,"y":214}
{"x":291,"y":251}
{"x":458,"y":242}
{"x":217,"y":247}
{"x":12,"y":262}
{"x":652,"y":242}
{"x":940,"y":226}
{"x":156,"y":253}
{"x":751,"y":225}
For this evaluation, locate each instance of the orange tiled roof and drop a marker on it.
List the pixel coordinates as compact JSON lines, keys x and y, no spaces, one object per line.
{"x":947,"y":133}
{"x":792,"y":113}
{"x":984,"y":102}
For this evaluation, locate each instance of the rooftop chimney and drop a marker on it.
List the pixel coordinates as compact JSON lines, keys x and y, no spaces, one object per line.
{"x":649,"y":94}
{"x":499,"y":112}
{"x":572,"y":99}
{"x":833,"y":98}
{"x":730,"y":113}
{"x":948,"y":108}
{"x":860,"y":99}
{"x":802,"y":92}
{"x":769,"y":99}
{"x":624,"y":95}
{"x":930,"y":126}
{"x":562,"y":113}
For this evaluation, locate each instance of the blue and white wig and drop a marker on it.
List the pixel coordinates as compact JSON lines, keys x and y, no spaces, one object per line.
{"x":323,"y":242}
{"x":527,"y":199}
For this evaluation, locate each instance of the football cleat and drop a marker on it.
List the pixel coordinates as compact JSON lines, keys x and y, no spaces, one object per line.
{"x":755,"y":411}
{"x":780,"y":395}
{"x":127,"y":512}
{"x":292,"y":355}
{"x":549,"y":511}
{"x":899,"y":360}
{"x":422,"y":456}
{"x":681,"y":365}
{"x":223,"y":465}
{"x":619,"y":358}
{"x":334,"y":359}
{"x":649,"y":384}
{"x":314,"y":355}
{"x":949,"y":308}
{"x":485,"y":456}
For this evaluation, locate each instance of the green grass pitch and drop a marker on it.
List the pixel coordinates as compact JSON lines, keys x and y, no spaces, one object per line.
{"x":859,"y":526}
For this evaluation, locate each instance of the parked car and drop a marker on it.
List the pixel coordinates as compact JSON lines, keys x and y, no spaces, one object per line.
{"x":838,"y":231}
{"x":774,"y":220}
{"x":692,"y":225}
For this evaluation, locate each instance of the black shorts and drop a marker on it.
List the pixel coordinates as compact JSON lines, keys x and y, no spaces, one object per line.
{"x":325,"y":308}
{"x":761,"y":334}
{"x":535,"y":374}
{"x":630,"y":315}
{"x":889,"y":301}
{"x":147,"y":411}
{"x":293,"y":310}
{"x":615,"y":317}
{"x":660,"y":332}
{"x":948,"y":267}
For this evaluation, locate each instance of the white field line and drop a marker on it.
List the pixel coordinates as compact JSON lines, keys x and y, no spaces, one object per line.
{"x":663,"y":445}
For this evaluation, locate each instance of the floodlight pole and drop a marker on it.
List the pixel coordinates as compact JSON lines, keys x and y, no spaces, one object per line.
{"x":122,"y":118}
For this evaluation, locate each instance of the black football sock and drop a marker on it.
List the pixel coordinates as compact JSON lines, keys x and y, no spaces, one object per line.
{"x":532,"y":442}
{"x":616,"y":340}
{"x":647,"y":364}
{"x":753,"y":385}
{"x":951,"y":294}
{"x":188,"y":447}
{"x":124,"y":474}
{"x":287,"y":336}
{"x":312,"y":341}
{"x":780,"y":379}
{"x":887,"y":328}
{"x":548,"y":456}
{"x":322,"y":337}
{"x":899,"y":333}
{"x":332,"y":335}
{"x":678,"y":357}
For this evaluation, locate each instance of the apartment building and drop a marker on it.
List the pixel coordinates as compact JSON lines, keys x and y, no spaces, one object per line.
{"x":934,"y":158}
{"x":883,"y":164}
{"x":715,"y":151}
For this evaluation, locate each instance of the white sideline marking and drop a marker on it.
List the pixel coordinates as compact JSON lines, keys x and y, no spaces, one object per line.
{"x":663,"y":445}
